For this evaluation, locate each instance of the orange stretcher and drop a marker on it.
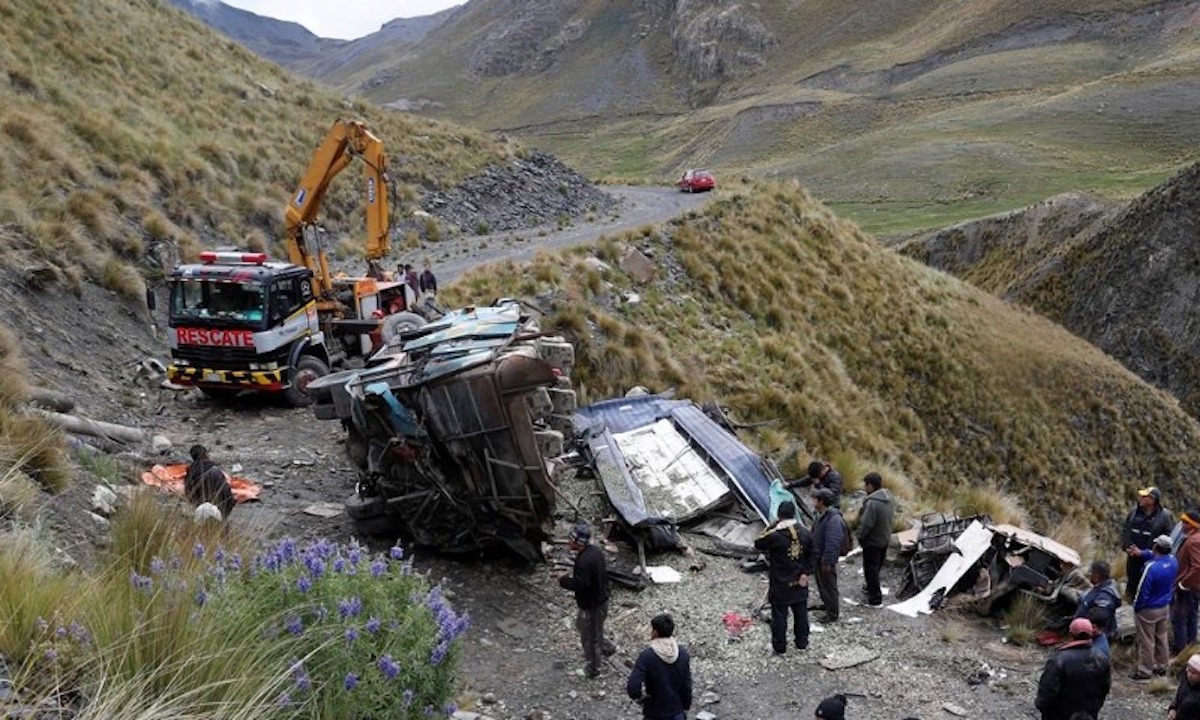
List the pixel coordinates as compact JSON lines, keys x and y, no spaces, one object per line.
{"x":170,"y":478}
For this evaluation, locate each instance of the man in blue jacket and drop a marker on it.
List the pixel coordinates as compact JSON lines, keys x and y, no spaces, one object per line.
{"x":1101,"y":602}
{"x":1152,"y":609}
{"x":662,"y":676}
{"x":828,"y":531}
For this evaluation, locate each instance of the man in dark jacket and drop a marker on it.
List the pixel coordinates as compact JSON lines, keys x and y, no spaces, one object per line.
{"x":662,"y":676}
{"x":827,"y":533}
{"x":206,"y":483}
{"x":589,"y":582}
{"x":1102,"y":601}
{"x":1186,"y":705}
{"x":428,"y":280}
{"x":1147,"y":521}
{"x":789,"y":549}
{"x":875,"y":533}
{"x":821,"y":475}
{"x":1075,"y":678}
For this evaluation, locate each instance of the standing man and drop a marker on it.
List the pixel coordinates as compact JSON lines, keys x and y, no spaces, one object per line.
{"x":1152,"y":610}
{"x":1187,"y":584}
{"x":410,"y":279}
{"x":1101,"y":602}
{"x":589,"y":582}
{"x":662,"y":676}
{"x":1147,"y":521}
{"x":1075,"y":677}
{"x":789,"y":549}
{"x":428,"y":280}
{"x":875,"y":533}
{"x":828,"y":532}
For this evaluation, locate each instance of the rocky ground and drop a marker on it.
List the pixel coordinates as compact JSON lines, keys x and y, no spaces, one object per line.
{"x":520,"y":658}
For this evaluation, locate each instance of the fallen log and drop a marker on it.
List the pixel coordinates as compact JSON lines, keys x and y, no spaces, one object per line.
{"x":92,"y":428}
{"x":51,"y":400}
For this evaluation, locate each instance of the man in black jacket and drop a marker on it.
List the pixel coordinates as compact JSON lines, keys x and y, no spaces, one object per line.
{"x":1076,"y":678}
{"x":1148,"y":520}
{"x":788,"y":546}
{"x":820,"y":475}
{"x":662,"y":676}
{"x":828,"y":531}
{"x":589,"y":582}
{"x":1186,"y":705}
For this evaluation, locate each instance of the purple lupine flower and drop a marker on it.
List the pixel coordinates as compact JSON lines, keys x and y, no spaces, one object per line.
{"x":80,"y":634}
{"x":351,"y":635}
{"x":339,"y":565}
{"x":302,"y":680}
{"x":284,"y":700}
{"x":143,"y":583}
{"x":427,"y":711}
{"x":60,"y":632}
{"x":294,"y":625}
{"x":219,"y":556}
{"x":408,"y":697}
{"x":176,"y":563}
{"x":286,"y":550}
{"x":450,"y":709}
{"x":235,"y":562}
{"x":397,"y":552}
{"x":157,"y":565}
{"x":439,"y":653}
{"x":315,"y":565}
{"x":355,"y":554}
{"x":201,"y":597}
{"x":350,"y":607}
{"x":303,"y":584}
{"x":378,"y":568}
{"x":322,"y":613}
{"x":41,"y":625}
{"x":198,"y":551}
{"x":351,"y":681}
{"x":390,"y":669}
{"x":51,"y":654}
{"x":373,"y":625}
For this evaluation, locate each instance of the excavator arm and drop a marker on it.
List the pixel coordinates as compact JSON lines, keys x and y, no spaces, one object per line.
{"x":346,"y":140}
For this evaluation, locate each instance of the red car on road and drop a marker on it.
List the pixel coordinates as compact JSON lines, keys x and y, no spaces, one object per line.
{"x":696,"y":181}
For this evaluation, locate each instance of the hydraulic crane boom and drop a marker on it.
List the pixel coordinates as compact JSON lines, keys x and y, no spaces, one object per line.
{"x":346,"y":140}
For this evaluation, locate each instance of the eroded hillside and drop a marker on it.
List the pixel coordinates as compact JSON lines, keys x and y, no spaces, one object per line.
{"x":1124,"y":276}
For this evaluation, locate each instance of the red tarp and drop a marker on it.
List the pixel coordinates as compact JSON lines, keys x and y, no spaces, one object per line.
{"x":170,"y":478}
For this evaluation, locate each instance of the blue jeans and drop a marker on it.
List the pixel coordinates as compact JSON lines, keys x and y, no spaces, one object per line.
{"x":1183,"y":619}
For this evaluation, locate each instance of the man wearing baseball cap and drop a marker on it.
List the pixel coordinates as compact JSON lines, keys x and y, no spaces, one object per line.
{"x":1187,"y":584}
{"x":1075,"y":678}
{"x":1152,"y":609}
{"x":1145,"y":522}
{"x":589,"y":582}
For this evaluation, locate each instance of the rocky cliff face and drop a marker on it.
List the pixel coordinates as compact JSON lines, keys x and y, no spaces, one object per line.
{"x":526,"y":36}
{"x":1124,"y":277}
{"x":721,"y":40}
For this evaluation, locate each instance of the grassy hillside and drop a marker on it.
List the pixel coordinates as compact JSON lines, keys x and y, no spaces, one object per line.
{"x":773,"y":306}
{"x":127,"y":124}
{"x":901,"y":115}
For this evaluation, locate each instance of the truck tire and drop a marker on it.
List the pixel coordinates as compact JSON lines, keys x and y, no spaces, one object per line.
{"x":307,"y":369}
{"x":398,"y":323}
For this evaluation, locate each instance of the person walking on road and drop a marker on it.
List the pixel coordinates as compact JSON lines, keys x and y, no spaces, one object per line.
{"x":589,"y":582}
{"x":821,"y":475}
{"x":428,"y":281}
{"x":875,"y":533}
{"x":1145,"y":522}
{"x":788,"y":546}
{"x":828,"y":531}
{"x":1152,"y":610}
{"x":1187,"y":584}
{"x":1186,"y":705}
{"x":1076,"y":677}
{"x":662,"y":676}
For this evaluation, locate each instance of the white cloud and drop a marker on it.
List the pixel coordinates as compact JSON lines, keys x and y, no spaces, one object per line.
{"x":344,"y":19}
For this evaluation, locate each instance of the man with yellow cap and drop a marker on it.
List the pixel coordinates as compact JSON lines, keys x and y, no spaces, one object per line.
{"x":1147,"y":521}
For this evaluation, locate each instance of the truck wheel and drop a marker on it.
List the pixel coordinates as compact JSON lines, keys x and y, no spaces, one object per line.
{"x":399,"y":323}
{"x":307,"y":369}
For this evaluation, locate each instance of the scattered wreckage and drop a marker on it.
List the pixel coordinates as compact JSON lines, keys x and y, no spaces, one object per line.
{"x":462,"y":429}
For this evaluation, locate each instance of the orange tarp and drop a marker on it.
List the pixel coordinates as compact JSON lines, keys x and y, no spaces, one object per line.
{"x":170,"y":477}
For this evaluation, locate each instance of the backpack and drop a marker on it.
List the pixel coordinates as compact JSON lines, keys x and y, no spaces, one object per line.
{"x":847,"y":537}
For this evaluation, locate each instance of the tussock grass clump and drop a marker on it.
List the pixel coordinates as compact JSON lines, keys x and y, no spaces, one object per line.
{"x":990,"y":499}
{"x":1024,"y":618}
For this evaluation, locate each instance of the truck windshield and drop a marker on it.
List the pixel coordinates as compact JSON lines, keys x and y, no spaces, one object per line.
{"x":217,"y":301}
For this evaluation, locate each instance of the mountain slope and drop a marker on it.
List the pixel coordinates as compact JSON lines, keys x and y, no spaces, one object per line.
{"x":284,"y":42}
{"x":1125,"y":277}
{"x":903,"y":114}
{"x":777,"y":309}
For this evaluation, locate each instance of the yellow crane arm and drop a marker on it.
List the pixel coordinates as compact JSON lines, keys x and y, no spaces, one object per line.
{"x":346,"y":140}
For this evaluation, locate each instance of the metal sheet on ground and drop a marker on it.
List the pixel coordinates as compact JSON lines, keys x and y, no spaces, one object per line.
{"x":674,"y":479}
{"x":971,"y":545}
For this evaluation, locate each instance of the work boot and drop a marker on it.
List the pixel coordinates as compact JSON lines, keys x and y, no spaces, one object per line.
{"x":608,"y":649}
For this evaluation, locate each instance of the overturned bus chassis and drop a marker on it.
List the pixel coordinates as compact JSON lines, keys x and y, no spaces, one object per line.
{"x":452,"y":428}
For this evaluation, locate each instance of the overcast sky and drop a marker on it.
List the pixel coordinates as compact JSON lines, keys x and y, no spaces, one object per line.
{"x":342,"y":19}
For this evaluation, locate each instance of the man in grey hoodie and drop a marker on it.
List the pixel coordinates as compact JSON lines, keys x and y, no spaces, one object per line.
{"x":662,"y":676}
{"x":875,"y":533}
